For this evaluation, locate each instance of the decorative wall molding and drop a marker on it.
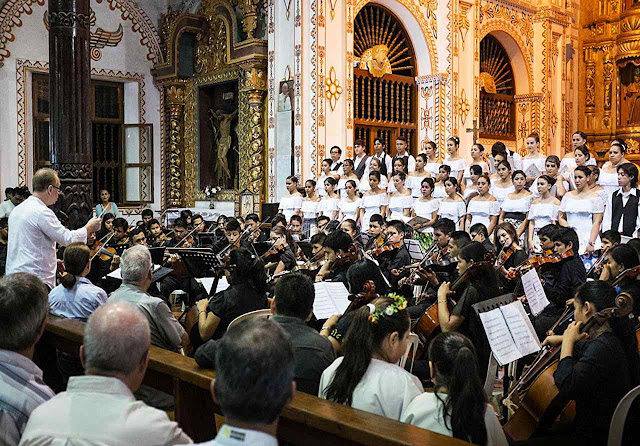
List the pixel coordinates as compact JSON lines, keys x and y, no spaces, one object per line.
{"x":140,"y":23}
{"x":23,"y":66}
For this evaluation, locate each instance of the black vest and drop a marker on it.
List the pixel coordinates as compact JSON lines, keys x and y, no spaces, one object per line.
{"x":336,"y":167}
{"x":359,"y":171}
{"x":628,"y":213}
{"x":383,"y":164}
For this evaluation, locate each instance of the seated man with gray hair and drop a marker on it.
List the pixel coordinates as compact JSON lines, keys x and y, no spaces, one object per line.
{"x":166,"y":331}
{"x":99,"y":408}
{"x":24,"y":306}
{"x":254,"y":381}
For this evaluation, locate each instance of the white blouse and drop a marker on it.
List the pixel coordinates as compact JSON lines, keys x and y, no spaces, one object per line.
{"x":439,"y":192}
{"x":452,"y":210}
{"x":425,"y":209}
{"x":500,"y":193}
{"x":539,"y":163}
{"x":415,"y":184}
{"x":481,"y":211}
{"x":342,"y":184}
{"x":569,"y":163}
{"x":457,"y":166}
{"x":543,"y":214}
{"x":320,"y":185}
{"x":398,"y":204}
{"x":289,"y":204}
{"x":365,"y":186}
{"x":328,"y":205}
{"x":350,"y":208}
{"x":432,"y":168}
{"x":385,"y":389}
{"x":520,"y":205}
{"x":372,"y":204}
{"x":609,"y":181}
{"x":579,"y":214}
{"x":310,"y":208}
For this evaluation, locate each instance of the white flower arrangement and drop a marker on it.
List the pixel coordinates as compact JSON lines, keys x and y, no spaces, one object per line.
{"x":211,"y":191}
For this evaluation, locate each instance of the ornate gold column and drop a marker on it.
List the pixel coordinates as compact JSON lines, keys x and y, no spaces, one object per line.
{"x":252,"y":168}
{"x":590,"y":88}
{"x":607,"y":75}
{"x":174,"y":109}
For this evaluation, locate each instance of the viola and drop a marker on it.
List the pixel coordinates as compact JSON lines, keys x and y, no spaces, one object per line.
{"x":367,"y":294}
{"x":537,"y":261}
{"x":536,"y":398}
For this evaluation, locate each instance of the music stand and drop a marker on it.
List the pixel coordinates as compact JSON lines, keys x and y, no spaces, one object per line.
{"x":307,"y":248}
{"x":157,"y":255}
{"x":201,"y":262}
{"x":414,"y":248}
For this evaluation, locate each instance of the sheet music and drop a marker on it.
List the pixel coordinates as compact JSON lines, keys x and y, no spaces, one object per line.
{"x":521,"y":328}
{"x":414,"y":248}
{"x":534,"y":291}
{"x":331,"y":298}
{"x":500,"y":340}
{"x":207,"y":282}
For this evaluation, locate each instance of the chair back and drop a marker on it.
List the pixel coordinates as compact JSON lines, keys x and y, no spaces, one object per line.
{"x":414,"y":341}
{"x":266,"y":313}
{"x":616,"y":429}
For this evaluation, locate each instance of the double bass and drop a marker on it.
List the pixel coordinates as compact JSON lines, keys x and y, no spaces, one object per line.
{"x":537,"y":401}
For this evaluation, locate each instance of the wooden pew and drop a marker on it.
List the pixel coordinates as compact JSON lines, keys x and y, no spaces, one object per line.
{"x":307,"y":420}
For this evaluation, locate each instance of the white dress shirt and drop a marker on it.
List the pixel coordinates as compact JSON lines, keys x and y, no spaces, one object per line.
{"x":34,"y":232}
{"x":608,"y":212}
{"x":236,"y":436}
{"x":6,"y":207}
{"x":99,"y":411}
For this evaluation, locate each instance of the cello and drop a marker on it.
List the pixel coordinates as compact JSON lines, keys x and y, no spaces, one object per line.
{"x":539,"y":403}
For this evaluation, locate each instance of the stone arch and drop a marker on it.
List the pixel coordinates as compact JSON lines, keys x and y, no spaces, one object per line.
{"x":13,"y":9}
{"x":508,"y":36}
{"x":415,"y":23}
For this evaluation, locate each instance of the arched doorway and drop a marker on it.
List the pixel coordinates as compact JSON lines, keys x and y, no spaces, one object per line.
{"x":385,"y":93}
{"x":497,"y":88}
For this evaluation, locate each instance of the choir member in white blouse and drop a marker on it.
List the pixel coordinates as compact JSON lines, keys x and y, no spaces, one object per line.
{"x":568,"y":162}
{"x":581,"y":157}
{"x":543,"y":211}
{"x":326,"y":173}
{"x":609,"y":172}
{"x":477,"y":159}
{"x":414,"y":179}
{"x":374,"y":201}
{"x":400,"y":201}
{"x":458,"y":406}
{"x":329,"y":203}
{"x":433,"y":164}
{"x":533,"y":156}
{"x":516,"y":205}
{"x":426,"y":206}
{"x":483,"y":208}
{"x":292,"y":203}
{"x":474,"y":173}
{"x":347,"y":174}
{"x":443,"y":174}
{"x":453,"y":160}
{"x":350,"y":203}
{"x":582,"y":210}
{"x":367,"y":377}
{"x":399,"y":165}
{"x":592,"y":181}
{"x":452,"y":206}
{"x":310,"y":205}
{"x":497,"y":159}
{"x":504,"y":184}
{"x":552,"y":169}
{"x":374,"y":166}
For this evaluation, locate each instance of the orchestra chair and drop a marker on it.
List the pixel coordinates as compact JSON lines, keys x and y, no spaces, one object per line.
{"x":492,"y":372}
{"x":414,"y":341}
{"x":266,"y":313}
{"x":616,"y":429}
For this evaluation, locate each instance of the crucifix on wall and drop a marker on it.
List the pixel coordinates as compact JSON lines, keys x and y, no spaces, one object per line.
{"x":476,"y":130}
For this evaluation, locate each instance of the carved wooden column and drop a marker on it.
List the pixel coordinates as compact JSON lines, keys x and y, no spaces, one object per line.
{"x":70,"y":93}
{"x":174,"y":108}
{"x":255,"y":85}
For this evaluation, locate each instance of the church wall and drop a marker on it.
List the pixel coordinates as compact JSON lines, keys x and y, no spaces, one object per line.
{"x":127,"y":62}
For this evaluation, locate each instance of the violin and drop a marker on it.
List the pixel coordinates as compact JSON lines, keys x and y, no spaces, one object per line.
{"x":504,"y":256}
{"x":386,"y":247}
{"x":537,"y":261}
{"x":596,"y":268}
{"x":539,"y":403}
{"x":367,"y":294}
{"x":350,"y":255}
{"x":276,"y":248}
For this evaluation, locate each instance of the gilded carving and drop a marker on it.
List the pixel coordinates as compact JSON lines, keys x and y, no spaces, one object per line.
{"x":211,"y":51}
{"x":175,"y":106}
{"x":255,"y":79}
{"x":463,"y":106}
{"x":333,"y":88}
{"x":462,"y":22}
{"x":249,"y":16}
{"x":590,"y":84}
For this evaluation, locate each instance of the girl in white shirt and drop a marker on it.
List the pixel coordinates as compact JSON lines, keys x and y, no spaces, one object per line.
{"x":609,"y":172}
{"x":477,"y":158}
{"x":533,"y":157}
{"x":452,"y":206}
{"x":350,"y":203}
{"x":374,"y":166}
{"x":453,"y":160}
{"x":329,"y":203}
{"x":503,"y":186}
{"x":292,"y":203}
{"x":367,"y":377}
{"x":433,"y":164}
{"x":309,"y":207}
{"x":414,"y":179}
{"x":484,"y":207}
{"x":347,"y":167}
{"x":426,"y":206}
{"x":401,"y":201}
{"x":458,"y":406}
{"x":326,"y":173}
{"x":472,"y":188}
{"x":569,"y":162}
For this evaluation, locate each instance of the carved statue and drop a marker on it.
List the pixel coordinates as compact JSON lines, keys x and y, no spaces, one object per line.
{"x":376,"y":60}
{"x":633,"y":95}
{"x":221,"y":124}
{"x":486,"y":81}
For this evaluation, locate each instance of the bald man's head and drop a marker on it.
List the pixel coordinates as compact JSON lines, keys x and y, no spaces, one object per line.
{"x":116,"y":339}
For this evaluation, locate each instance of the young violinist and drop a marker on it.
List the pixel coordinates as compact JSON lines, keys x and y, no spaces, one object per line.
{"x":157,"y":237}
{"x":397,"y":255}
{"x":121,"y":229}
{"x":281,"y":255}
{"x":367,"y":377}
{"x":597,"y":367}
{"x":138,"y":237}
{"x":255,"y":234}
{"x":186,"y":215}
{"x":510,"y":254}
{"x":479,"y":233}
{"x":107,"y":225}
{"x":375,"y":232}
{"x":322,"y":222}
{"x":478,"y":282}
{"x":458,"y":406}
{"x":442,"y":230}
{"x":562,"y":280}
{"x":350,"y":227}
{"x":338,"y":247}
{"x":295,"y":228}
{"x":619,"y":259}
{"x":610,"y":239}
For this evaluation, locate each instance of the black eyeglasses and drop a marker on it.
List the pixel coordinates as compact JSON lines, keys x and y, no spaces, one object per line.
{"x":55,"y":187}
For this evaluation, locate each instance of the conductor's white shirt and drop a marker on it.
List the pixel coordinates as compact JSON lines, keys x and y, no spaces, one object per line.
{"x":33,"y":232}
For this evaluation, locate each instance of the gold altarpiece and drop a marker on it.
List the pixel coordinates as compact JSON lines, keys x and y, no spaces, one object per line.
{"x":611,"y":72}
{"x":219,"y":56}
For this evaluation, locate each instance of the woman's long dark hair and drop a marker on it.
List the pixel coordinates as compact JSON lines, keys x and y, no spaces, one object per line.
{"x":362,"y":341}
{"x":362,"y":271}
{"x":247,"y":269}
{"x":602,"y":295}
{"x":76,"y":256}
{"x":456,"y":372}
{"x":484,"y":280}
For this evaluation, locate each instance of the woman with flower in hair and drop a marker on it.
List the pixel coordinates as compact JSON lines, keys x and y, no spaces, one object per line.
{"x":367,"y":377}
{"x":458,"y":406}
